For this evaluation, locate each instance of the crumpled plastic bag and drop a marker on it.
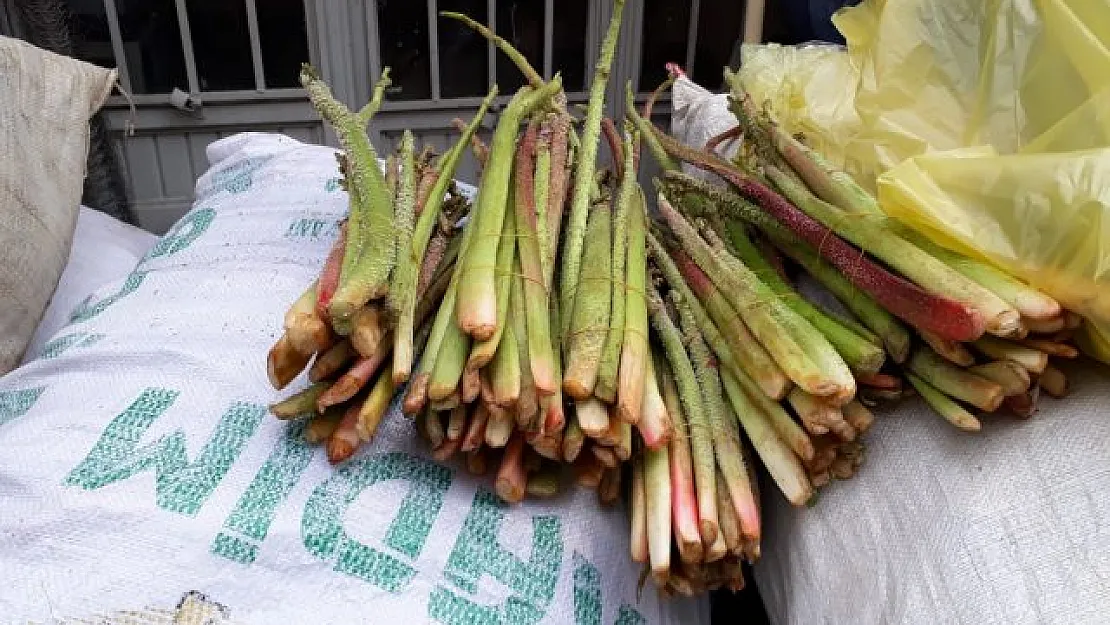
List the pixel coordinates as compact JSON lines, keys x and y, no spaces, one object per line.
{"x":809,"y":88}
{"x":983,"y":123}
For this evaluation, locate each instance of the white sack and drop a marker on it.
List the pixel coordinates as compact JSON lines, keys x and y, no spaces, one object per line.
{"x":1009,"y":526}
{"x":104,"y":250}
{"x":143,"y":466}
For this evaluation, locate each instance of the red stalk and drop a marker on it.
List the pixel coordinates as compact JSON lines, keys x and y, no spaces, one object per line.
{"x":344,"y":440}
{"x":329,"y":275}
{"x":511,"y":478}
{"x":941,"y":315}
{"x":356,"y":377}
{"x":614,"y":140}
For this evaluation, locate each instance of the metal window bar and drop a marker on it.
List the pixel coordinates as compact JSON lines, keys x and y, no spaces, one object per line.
{"x":548,"y":38}
{"x":491,"y":22}
{"x":256,"y":46}
{"x":692,"y":37}
{"x":433,"y":48}
{"x":373,"y":39}
{"x":187,"y":47}
{"x":117,"y":44}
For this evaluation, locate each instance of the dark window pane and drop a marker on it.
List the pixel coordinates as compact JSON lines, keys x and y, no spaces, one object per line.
{"x":281,"y":29}
{"x":520,"y":22}
{"x":666,"y":23}
{"x":463,"y":59}
{"x":91,"y":40}
{"x":221,"y":44}
{"x":403,"y":41}
{"x":151,"y":41}
{"x":571,"y":21}
{"x":720,"y":25}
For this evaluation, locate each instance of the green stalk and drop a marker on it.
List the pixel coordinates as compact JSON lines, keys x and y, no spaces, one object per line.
{"x":638,"y":512}
{"x":873,"y":234}
{"x":591,"y":308}
{"x":794,"y":344}
{"x":683,"y":496}
{"x":1012,"y":377}
{"x":586,"y":163}
{"x":370,"y":229}
{"x":477,"y":306}
{"x":1033,"y":360}
{"x":483,"y":351}
{"x":443,"y":323}
{"x":952,"y":351}
{"x":405,"y":207}
{"x":539,"y":356}
{"x":505,"y":370}
{"x":860,"y":354}
{"x":499,"y":427}
{"x":634,"y":342}
{"x":573,"y":438}
{"x":528,"y":406}
{"x":666,"y":163}
{"x":894,"y":335}
{"x":733,"y":352}
{"x":404,"y":294}
{"x":780,"y":460}
{"x":725,"y":436}
{"x":789,"y":430}
{"x":654,"y":424}
{"x":606,"y":387}
{"x":450,"y":362}
{"x":300,"y":404}
{"x":950,"y":410}
{"x":956,"y":382}
{"x":876,"y":318}
{"x":552,"y":405}
{"x":1028,"y":301}
{"x":700,"y":432}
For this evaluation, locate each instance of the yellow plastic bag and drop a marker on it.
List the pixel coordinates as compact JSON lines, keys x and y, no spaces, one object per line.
{"x":986,"y":125}
{"x":810,"y":90}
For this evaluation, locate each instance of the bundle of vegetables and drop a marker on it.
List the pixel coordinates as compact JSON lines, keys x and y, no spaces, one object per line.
{"x":961,"y":332}
{"x":562,"y":334}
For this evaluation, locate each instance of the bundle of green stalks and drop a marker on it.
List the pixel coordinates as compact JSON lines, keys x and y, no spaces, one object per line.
{"x":358,"y":326}
{"x":913,"y":316}
{"x":566,"y":334}
{"x":518,"y":340}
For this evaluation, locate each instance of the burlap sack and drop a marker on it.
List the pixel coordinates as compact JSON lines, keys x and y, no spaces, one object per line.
{"x":45,"y":104}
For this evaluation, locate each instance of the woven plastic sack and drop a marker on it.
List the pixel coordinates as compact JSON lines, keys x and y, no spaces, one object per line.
{"x":1007,"y":527}
{"x":140,"y":470}
{"x":104,"y":249}
{"x":46,"y":101}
